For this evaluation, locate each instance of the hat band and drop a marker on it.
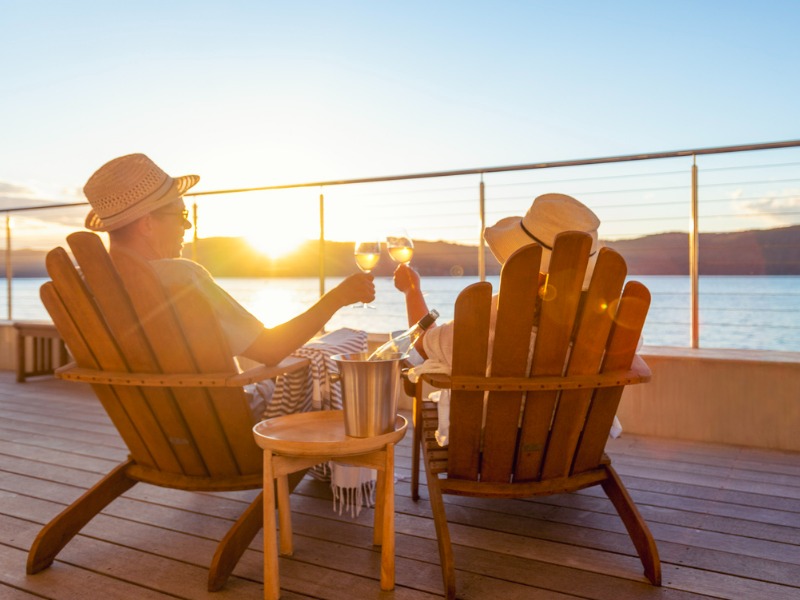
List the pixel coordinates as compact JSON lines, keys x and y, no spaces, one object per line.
{"x":534,"y":238}
{"x":540,"y":242}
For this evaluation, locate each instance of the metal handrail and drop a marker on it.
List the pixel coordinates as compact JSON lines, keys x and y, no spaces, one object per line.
{"x":521,"y":167}
{"x":472,"y":171}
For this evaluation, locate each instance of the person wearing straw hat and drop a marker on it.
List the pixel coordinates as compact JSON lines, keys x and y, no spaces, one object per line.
{"x":548,"y":215}
{"x":142,"y":210}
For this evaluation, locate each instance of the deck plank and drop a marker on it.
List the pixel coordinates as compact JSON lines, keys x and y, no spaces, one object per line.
{"x":726,"y":520}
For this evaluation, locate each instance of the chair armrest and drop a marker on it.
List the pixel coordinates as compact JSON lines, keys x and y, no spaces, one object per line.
{"x":638,"y":373}
{"x":72,"y":372}
{"x":261,"y":372}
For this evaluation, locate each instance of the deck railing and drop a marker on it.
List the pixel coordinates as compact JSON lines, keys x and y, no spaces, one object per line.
{"x":704,"y":190}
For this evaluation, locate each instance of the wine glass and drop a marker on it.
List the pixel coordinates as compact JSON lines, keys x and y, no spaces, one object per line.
{"x":401,"y":248}
{"x":367,"y":255}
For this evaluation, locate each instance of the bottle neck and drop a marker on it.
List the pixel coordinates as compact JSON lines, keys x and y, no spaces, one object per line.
{"x":426,"y":321}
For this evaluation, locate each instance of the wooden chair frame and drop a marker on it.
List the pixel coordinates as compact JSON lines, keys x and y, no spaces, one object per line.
{"x":171,"y":388}
{"x":559,"y":393}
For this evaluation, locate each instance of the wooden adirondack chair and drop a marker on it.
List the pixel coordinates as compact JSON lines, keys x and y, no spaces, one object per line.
{"x":159,"y":364}
{"x":545,"y":425}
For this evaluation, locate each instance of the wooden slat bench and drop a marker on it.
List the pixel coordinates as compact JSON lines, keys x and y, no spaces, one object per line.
{"x":47,"y":350}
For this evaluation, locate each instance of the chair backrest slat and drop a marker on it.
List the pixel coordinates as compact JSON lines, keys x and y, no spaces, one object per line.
{"x":560,"y":301}
{"x":87,"y":318}
{"x":211,"y":354}
{"x":542,"y":435}
{"x":120,"y":316}
{"x":182,"y":330}
{"x":621,"y":349}
{"x":519,"y":282}
{"x":116,"y":316}
{"x":596,"y":317}
{"x":82,"y":352}
{"x":470,"y":349}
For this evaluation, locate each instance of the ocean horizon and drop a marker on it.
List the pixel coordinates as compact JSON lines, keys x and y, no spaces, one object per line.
{"x":738,"y":312}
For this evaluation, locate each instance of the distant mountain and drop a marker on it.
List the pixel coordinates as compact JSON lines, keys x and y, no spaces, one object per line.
{"x":24,"y":263}
{"x":233,"y":257}
{"x":756,"y":252}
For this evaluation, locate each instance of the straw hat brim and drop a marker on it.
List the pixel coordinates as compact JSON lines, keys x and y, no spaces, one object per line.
{"x":504,"y":242}
{"x":506,"y":237}
{"x":549,"y":215}
{"x":177,"y":188}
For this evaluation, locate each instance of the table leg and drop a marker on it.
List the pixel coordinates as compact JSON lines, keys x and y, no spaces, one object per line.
{"x":272,"y":586}
{"x":285,"y":516}
{"x":387,"y":549}
{"x":380,"y":495}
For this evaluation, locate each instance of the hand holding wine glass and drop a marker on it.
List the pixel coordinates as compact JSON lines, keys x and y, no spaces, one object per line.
{"x":401,"y":248}
{"x":367,"y":255}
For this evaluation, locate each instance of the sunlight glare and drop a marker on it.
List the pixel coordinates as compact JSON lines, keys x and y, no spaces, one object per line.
{"x":271,"y":226}
{"x":272,"y":242}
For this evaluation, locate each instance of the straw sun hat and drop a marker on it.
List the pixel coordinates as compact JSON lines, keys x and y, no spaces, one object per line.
{"x":129,"y":187}
{"x":549,"y":215}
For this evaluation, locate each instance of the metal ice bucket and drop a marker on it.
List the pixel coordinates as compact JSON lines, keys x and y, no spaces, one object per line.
{"x":369,"y":393}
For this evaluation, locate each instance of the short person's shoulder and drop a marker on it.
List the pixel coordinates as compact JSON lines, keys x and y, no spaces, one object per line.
{"x":179,"y":270}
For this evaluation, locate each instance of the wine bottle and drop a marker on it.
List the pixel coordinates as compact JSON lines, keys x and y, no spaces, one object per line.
{"x":400,"y":346}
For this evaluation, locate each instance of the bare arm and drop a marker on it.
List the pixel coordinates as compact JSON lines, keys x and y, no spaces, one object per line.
{"x":407,"y":281}
{"x":274,"y":344}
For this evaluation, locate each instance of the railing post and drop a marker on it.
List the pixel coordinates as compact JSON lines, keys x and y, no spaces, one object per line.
{"x":9,"y":274}
{"x":694,"y":262}
{"x":194,"y":232}
{"x":321,"y":244}
{"x":481,"y":242}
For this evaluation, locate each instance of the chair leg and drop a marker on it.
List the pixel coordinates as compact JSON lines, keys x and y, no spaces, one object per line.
{"x":442,"y":534}
{"x":235,"y":542}
{"x":58,"y":532}
{"x":417,"y":442}
{"x":239,"y":536}
{"x":637,"y":527}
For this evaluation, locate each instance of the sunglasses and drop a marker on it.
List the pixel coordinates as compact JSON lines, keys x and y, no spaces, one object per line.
{"x":183,"y":214}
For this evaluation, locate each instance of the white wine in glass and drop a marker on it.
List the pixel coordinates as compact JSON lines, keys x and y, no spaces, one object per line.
{"x":401,"y":248}
{"x":367,"y":255}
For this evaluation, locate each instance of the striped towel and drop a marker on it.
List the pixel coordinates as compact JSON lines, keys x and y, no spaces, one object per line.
{"x":312,"y":389}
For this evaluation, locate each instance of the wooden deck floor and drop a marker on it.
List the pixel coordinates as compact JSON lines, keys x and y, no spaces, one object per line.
{"x":726,"y":519}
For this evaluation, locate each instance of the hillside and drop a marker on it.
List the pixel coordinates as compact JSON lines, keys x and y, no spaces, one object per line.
{"x":756,"y":252}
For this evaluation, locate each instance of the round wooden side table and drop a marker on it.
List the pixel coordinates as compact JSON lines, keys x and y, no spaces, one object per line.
{"x":298,"y":441}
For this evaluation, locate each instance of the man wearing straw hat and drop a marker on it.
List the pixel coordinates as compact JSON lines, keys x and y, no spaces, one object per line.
{"x":142,"y":209}
{"x":549,"y":215}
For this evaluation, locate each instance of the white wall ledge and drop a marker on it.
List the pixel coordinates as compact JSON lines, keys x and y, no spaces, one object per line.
{"x":722,"y":354}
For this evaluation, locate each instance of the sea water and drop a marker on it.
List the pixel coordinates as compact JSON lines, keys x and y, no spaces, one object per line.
{"x":757,"y":313}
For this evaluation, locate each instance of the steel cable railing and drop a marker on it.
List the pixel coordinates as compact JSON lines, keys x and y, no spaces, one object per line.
{"x":633,"y":196}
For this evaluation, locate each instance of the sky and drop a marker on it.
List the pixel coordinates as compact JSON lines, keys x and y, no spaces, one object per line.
{"x":257,"y":93}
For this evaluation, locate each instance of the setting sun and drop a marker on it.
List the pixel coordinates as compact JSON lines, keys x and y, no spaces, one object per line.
{"x":273,"y":244}
{"x":271,"y":226}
